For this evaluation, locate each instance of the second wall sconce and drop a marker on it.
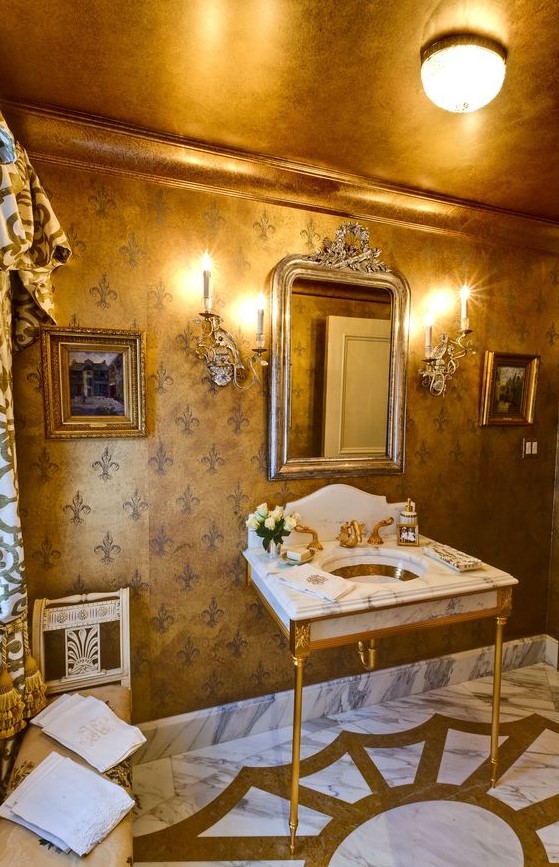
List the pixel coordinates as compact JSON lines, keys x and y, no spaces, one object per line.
{"x":441,"y":360}
{"x":218,"y":348}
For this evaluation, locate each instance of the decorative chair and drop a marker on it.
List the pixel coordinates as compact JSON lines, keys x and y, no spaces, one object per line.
{"x":80,"y":643}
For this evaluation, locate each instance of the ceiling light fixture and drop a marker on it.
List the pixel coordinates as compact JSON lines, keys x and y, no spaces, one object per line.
{"x":463,"y":72}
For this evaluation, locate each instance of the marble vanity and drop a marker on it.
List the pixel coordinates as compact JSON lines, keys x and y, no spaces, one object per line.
{"x":378,"y":605}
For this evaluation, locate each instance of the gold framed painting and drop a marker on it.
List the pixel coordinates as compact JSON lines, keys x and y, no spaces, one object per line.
{"x":93,"y":382}
{"x":509,"y":385}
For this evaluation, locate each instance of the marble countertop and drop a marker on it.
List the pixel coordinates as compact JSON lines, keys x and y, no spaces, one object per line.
{"x":435,"y":580}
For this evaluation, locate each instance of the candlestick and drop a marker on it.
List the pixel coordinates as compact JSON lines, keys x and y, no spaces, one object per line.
{"x":260,"y":315}
{"x":206,"y":265}
{"x":428,"y":335}
{"x":464,"y":321}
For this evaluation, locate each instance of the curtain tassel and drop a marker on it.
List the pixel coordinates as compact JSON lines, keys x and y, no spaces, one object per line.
{"x":34,"y":689}
{"x":11,"y":707}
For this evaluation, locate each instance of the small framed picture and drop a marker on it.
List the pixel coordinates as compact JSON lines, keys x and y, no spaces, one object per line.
{"x":508,"y":392}
{"x":407,"y":534}
{"x":93,"y":382}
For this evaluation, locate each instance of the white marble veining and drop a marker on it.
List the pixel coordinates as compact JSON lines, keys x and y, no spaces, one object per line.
{"x":325,"y":510}
{"x":200,"y":775}
{"x":463,"y":754}
{"x":262,"y":814}
{"x":398,"y":765}
{"x":224,"y":723}
{"x":416,"y":833}
{"x":534,"y":776}
{"x":550,"y":839}
{"x":435,"y":581}
{"x":340,"y":779}
{"x":329,"y":506}
{"x":279,"y":863}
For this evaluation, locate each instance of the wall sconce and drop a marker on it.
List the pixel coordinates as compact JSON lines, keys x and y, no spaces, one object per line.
{"x":219,"y":348}
{"x":441,"y":361}
{"x":463,"y":72}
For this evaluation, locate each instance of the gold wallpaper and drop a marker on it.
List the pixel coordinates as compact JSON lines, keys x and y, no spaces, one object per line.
{"x":165,"y":514}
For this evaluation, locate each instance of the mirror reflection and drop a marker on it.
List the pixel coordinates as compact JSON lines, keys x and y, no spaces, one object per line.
{"x":337,"y":333}
{"x":339,"y":348}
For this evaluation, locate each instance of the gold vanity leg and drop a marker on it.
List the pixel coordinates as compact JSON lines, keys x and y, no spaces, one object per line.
{"x":299,"y":663}
{"x":497,"y":668}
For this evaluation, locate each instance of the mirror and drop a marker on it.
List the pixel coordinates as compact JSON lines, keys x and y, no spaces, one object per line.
{"x":338,"y":362}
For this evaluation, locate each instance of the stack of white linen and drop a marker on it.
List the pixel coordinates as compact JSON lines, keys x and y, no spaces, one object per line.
{"x":68,"y":805}
{"x":89,"y":727}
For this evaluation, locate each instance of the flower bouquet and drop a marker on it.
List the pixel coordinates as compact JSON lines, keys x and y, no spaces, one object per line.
{"x":272,"y":525}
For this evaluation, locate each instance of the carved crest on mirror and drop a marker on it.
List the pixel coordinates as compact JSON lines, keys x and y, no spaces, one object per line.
{"x":338,"y":361}
{"x":350,"y":249}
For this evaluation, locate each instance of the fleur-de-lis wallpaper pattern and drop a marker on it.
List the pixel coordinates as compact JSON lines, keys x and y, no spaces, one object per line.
{"x":165,"y":514}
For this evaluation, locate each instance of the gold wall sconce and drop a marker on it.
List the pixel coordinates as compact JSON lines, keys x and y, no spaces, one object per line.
{"x":219,"y":349}
{"x":441,"y":360}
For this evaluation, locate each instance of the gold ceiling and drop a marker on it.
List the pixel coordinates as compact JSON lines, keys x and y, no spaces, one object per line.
{"x":333,"y":84}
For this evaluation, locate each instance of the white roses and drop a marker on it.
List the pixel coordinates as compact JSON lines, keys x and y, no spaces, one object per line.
{"x":272,"y":525}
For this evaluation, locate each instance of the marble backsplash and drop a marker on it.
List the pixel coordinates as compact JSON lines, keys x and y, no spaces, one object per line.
{"x":190,"y":731}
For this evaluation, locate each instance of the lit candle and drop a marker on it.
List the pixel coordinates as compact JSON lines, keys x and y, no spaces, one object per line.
{"x":206,"y":265}
{"x":464,"y":321}
{"x":260,"y":315}
{"x":428,"y":335}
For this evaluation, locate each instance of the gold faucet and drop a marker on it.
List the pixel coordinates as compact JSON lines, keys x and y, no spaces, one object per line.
{"x":351,"y":534}
{"x":314,"y":544}
{"x":375,"y":538}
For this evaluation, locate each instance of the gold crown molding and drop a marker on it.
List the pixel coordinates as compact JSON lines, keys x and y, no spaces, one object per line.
{"x":83,"y":142}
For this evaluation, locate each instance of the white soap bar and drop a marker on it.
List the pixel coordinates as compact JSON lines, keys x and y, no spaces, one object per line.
{"x":297,"y":556}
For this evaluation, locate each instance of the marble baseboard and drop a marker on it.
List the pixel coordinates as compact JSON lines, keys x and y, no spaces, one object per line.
{"x":215,"y":725}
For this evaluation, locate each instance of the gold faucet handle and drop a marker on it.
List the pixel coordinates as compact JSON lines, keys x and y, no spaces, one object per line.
{"x":314,"y":544}
{"x":375,"y":538}
{"x":351,"y":534}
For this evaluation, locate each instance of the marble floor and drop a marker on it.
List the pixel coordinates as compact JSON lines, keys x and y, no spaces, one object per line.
{"x":400,"y":784}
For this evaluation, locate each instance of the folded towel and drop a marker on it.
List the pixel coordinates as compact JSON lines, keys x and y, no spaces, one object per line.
{"x":87,"y":726}
{"x":54,"y":709}
{"x":67,"y":804}
{"x":308,"y":579}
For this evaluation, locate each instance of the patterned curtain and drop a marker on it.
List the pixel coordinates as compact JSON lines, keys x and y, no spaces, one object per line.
{"x":32,"y":244}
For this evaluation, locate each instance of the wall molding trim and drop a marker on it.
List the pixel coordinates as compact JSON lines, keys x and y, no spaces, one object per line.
{"x":197,"y":729}
{"x":78,"y":141}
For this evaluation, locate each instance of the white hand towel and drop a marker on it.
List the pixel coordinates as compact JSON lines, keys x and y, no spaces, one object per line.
{"x":308,"y":579}
{"x":88,"y":727}
{"x":56,"y":707}
{"x":68,"y":802}
{"x":33,"y":779}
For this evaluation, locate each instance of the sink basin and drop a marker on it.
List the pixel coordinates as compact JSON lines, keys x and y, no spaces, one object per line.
{"x":370,"y":572}
{"x":374,"y":567}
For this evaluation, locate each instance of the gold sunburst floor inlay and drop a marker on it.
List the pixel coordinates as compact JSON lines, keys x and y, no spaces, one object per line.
{"x":372,"y":799}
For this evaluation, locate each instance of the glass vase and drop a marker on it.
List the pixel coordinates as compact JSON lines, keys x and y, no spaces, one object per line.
{"x":273,"y":549}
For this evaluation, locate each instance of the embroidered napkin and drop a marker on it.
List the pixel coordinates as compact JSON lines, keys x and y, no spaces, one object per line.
{"x":87,"y":726}
{"x":309,"y":579}
{"x":67,"y":804}
{"x":52,"y":710}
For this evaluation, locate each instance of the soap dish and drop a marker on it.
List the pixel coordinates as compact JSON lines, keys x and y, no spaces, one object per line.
{"x":306,"y":557}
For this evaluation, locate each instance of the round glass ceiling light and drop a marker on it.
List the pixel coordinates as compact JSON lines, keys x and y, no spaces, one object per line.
{"x":463,"y":73}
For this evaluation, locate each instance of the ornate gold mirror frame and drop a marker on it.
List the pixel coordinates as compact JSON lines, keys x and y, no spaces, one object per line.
{"x":352,"y":267}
